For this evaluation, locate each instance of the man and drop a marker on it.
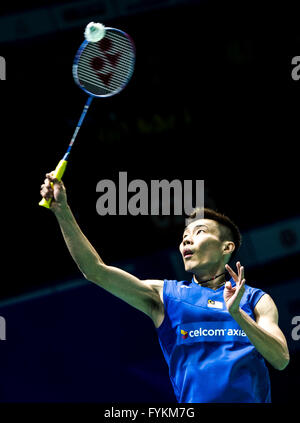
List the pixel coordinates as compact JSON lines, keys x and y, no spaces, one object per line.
{"x":214,"y":334}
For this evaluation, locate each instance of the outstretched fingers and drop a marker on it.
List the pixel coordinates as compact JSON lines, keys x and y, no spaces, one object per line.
{"x":231,"y":272}
{"x":239,"y":277}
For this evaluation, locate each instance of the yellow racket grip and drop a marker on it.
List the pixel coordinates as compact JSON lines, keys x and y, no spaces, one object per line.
{"x":58,"y":174}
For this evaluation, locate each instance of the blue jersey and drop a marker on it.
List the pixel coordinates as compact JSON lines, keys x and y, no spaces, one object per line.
{"x":210,"y":358}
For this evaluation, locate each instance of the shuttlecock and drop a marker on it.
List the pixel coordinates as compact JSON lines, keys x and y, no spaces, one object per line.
{"x":94,"y":32}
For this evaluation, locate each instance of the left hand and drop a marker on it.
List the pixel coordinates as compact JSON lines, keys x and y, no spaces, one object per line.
{"x":233,"y":294}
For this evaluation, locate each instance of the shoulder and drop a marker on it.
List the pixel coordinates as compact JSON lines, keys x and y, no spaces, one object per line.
{"x":154,"y":283}
{"x":168,"y":286}
{"x":174,"y":288}
{"x":253,"y":295}
{"x":261,"y":303}
{"x":266,"y":307}
{"x":157,"y":286}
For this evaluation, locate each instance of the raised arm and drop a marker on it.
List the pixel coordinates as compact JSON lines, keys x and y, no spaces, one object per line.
{"x":145,"y":295}
{"x":263,"y":332}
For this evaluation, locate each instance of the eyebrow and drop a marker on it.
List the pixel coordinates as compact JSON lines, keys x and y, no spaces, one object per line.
{"x":196,"y":227}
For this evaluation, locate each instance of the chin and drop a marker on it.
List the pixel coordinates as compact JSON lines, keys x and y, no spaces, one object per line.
{"x":189,"y":267}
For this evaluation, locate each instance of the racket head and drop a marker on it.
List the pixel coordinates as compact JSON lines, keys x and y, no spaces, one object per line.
{"x":104,"y":68}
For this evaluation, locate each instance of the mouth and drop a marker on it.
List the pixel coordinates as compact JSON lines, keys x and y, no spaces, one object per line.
{"x":187,"y":253}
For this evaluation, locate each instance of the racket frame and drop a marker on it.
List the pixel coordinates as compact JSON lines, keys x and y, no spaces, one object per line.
{"x":79,"y":53}
{"x":61,"y":167}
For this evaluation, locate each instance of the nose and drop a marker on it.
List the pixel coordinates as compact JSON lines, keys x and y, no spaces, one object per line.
{"x":186,"y":241}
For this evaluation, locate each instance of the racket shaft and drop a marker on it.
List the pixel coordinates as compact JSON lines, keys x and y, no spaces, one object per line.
{"x":61,"y":167}
{"x":83,"y":114}
{"x":58,"y":174}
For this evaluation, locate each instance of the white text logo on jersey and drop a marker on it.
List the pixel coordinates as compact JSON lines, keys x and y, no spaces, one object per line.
{"x":211,"y":332}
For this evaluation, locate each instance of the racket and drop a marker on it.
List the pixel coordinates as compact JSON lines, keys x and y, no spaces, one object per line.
{"x":101,"y":69}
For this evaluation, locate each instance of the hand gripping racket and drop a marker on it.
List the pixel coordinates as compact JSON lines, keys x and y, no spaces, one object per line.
{"x":101,"y":69}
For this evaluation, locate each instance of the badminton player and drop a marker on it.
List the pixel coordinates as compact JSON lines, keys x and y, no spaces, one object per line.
{"x":215,"y":334}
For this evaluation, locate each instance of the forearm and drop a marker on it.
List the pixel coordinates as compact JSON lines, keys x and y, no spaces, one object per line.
{"x":118,"y":282}
{"x":83,"y":253}
{"x":268,"y":345}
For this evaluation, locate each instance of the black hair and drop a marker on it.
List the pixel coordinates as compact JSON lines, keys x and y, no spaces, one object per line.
{"x":228,"y":230}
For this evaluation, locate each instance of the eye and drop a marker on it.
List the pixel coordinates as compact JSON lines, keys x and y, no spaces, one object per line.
{"x":199,"y":230}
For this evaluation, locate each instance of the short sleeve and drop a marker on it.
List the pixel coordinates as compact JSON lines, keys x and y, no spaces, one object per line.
{"x":170,"y":288}
{"x":256,"y":296}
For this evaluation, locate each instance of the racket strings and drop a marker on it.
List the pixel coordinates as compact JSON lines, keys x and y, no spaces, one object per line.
{"x":105,"y":67}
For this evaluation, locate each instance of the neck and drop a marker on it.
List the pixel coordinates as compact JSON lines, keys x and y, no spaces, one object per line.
{"x":213,"y":281}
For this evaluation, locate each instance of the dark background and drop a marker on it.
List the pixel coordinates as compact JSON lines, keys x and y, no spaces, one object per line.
{"x":211,"y":98}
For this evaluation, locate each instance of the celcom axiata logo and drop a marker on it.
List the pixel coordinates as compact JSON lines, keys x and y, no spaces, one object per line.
{"x":184,"y":334}
{"x":212,"y":332}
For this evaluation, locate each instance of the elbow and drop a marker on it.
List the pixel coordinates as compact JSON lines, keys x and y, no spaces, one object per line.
{"x":283,"y":363}
{"x":92,"y":273}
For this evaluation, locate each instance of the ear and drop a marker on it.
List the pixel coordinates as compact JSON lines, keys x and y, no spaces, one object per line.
{"x":228,"y":247}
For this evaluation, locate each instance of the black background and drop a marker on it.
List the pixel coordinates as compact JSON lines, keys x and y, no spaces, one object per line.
{"x":211,"y":98}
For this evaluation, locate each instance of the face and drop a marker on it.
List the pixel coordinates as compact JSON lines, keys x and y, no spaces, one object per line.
{"x":201,"y":246}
